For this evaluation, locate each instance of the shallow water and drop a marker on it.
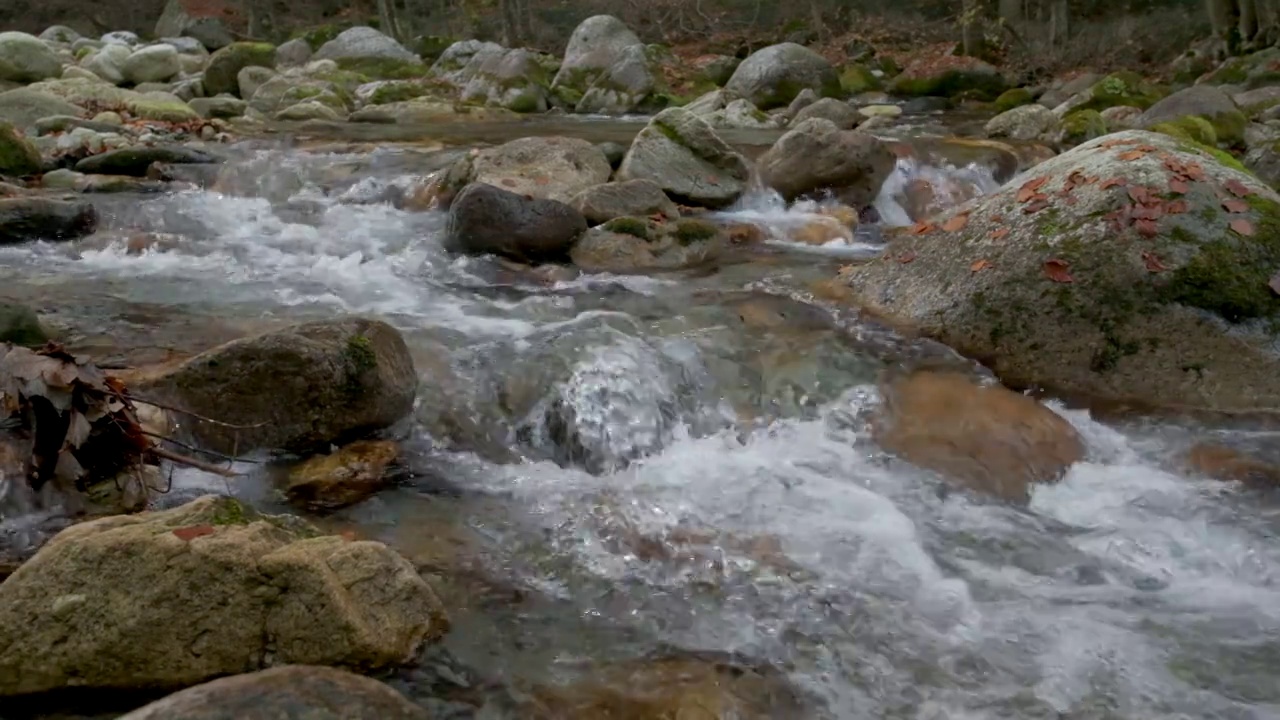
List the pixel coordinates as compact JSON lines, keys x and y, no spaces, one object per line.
{"x":612,"y":467}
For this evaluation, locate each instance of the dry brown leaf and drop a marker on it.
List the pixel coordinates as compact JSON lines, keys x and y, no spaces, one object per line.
{"x":1131,"y":155}
{"x":1240,"y":226}
{"x":187,"y":534}
{"x":1237,"y":188}
{"x":1179,"y":186}
{"x":981,"y":264}
{"x":921,"y":228}
{"x":1152,"y":261}
{"x":999,"y":233}
{"x":1058,"y":271}
{"x":956,"y":222}
{"x":1028,"y":189}
{"x":1146,"y":228}
{"x":1036,"y":206}
{"x":906,"y":257}
{"x":1111,"y":182}
{"x":1175,"y":207}
{"x":1232,"y":205}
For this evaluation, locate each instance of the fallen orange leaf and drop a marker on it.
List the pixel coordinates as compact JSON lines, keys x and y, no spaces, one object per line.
{"x":1152,"y":261}
{"x":1235,"y":206}
{"x":1036,"y":206}
{"x":1110,"y":183}
{"x":1057,"y":271}
{"x":906,"y":257}
{"x":982,"y":264}
{"x":1179,"y":186}
{"x":999,"y":233}
{"x":187,"y":534}
{"x":1241,"y":226}
{"x":1130,"y":155}
{"x":956,"y":222}
{"x":1237,"y":188}
{"x":921,"y":228}
{"x":1146,"y":228}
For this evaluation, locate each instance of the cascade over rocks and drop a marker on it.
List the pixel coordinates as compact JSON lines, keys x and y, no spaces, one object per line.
{"x":816,"y":155}
{"x":1134,"y":268}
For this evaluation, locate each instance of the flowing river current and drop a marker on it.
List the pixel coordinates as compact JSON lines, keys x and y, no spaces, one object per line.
{"x":605,"y":468}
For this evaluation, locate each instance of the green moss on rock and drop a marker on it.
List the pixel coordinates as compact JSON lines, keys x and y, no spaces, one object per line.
{"x":689,"y":231}
{"x":220,"y":75}
{"x":1123,"y":88}
{"x":383,"y":68}
{"x":628,"y":226}
{"x":396,"y":92}
{"x":1015,"y":97}
{"x":1082,"y":126}
{"x":20,"y":326}
{"x":1189,"y":127}
{"x":18,"y":157}
{"x":984,"y":85}
{"x":856,"y":79}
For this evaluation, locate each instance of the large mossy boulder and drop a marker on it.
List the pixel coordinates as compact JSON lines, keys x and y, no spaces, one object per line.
{"x":1134,"y":267}
{"x":289,"y":692}
{"x":298,"y":389}
{"x":596,"y":46}
{"x":164,"y":600}
{"x":773,"y":76}
{"x":513,"y":80}
{"x":1202,"y":101}
{"x":950,"y":77}
{"x":18,"y":157}
{"x":680,"y":153}
{"x":1025,"y":122}
{"x":1118,"y":89}
{"x":221,"y":75}
{"x":26,"y":58}
{"x":623,"y":87}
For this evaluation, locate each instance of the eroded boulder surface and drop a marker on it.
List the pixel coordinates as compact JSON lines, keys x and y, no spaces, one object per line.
{"x":1135,"y":267}
{"x":172,"y":598}
{"x":680,"y":153}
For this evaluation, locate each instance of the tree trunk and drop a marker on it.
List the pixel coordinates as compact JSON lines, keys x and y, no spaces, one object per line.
{"x":1011,"y":11}
{"x":970,"y":32}
{"x":1248,"y":24}
{"x":387,"y":18}
{"x":510,"y":22}
{"x":1059,"y":23}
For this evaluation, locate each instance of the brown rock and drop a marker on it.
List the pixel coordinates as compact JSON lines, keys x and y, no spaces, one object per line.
{"x":986,"y":438}
{"x":819,"y":231}
{"x":353,"y":473}
{"x":285,"y":693}
{"x":1230,"y":465}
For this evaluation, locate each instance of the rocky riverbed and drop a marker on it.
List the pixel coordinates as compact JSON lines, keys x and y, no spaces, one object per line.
{"x":708,"y":411}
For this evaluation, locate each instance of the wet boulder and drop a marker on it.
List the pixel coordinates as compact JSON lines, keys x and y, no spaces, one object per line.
{"x":220,"y":75}
{"x":134,"y":161}
{"x":818,"y":156}
{"x":172,"y":598}
{"x":983,"y":437}
{"x":285,"y":693}
{"x":39,"y":218}
{"x":552,"y":168}
{"x":605,"y":202}
{"x":18,"y":157}
{"x":772,"y":77}
{"x":344,"y":477}
{"x":26,"y":58}
{"x":680,"y":153}
{"x":295,"y":389}
{"x":1134,"y":267}
{"x":636,"y":245}
{"x":486,"y":219}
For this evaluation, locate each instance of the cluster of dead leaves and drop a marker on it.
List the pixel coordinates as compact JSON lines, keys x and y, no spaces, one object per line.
{"x":80,"y":424}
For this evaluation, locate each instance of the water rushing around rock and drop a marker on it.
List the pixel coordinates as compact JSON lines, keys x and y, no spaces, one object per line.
{"x":605,"y":468}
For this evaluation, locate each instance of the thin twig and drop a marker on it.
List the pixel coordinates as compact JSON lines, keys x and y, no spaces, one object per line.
{"x":193,"y":448}
{"x":162,"y":406}
{"x":191,"y":462}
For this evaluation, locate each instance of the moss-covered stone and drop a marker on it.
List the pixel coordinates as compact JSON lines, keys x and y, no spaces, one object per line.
{"x":856,"y":79}
{"x":1082,"y":126}
{"x":317,"y":36}
{"x":430,"y":47}
{"x":396,"y":91}
{"x":980,"y":84}
{"x":220,"y":75}
{"x":1012,"y":98}
{"x":161,"y":107}
{"x":629,"y":226}
{"x":20,"y":326}
{"x":1122,"y":89}
{"x":18,"y":157}
{"x":383,"y":68}
{"x":1189,"y":127}
{"x":690,"y":230}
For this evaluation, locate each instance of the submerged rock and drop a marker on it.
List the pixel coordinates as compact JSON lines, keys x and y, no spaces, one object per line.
{"x":816,"y":155}
{"x":680,"y":153}
{"x":486,"y":219}
{"x":344,"y":477}
{"x":172,"y":598}
{"x":1135,"y":267}
{"x":984,"y":437}
{"x":37,"y":218}
{"x":285,"y":693}
{"x":295,"y":389}
{"x":134,"y":161}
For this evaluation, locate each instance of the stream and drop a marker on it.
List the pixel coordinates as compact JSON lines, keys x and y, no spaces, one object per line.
{"x":605,"y":468}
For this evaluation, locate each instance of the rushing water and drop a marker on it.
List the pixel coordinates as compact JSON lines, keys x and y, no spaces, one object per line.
{"x":608,"y":467}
